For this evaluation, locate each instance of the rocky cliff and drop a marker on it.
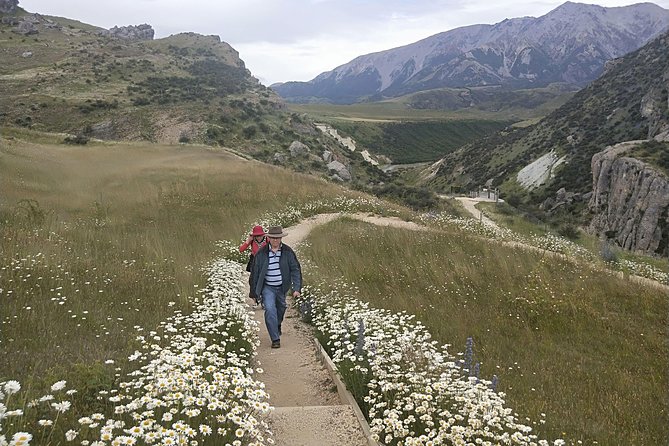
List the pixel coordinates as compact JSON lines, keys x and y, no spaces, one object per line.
{"x":630,"y":201}
{"x":8,"y":6}
{"x":131,"y":32}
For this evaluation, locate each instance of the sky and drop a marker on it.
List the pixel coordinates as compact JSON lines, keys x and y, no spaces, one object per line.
{"x":296,"y":40}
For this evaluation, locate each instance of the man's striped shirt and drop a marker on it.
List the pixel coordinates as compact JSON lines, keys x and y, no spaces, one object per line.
{"x":273,"y":277}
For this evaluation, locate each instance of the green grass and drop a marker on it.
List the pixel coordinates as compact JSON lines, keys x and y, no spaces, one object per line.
{"x":442,"y":104}
{"x":386,"y":111}
{"x":582,"y":346}
{"x":100,"y":239}
{"x":508,"y":217}
{"x":419,"y":141}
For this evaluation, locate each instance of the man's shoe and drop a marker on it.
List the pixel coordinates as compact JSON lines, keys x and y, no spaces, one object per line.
{"x":276,"y":344}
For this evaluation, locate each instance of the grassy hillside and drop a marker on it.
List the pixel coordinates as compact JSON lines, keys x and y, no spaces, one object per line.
{"x":67,"y":78}
{"x":185,"y":88}
{"x":99,"y":239}
{"x":419,"y":141}
{"x":573,"y":346}
{"x":516,"y":104}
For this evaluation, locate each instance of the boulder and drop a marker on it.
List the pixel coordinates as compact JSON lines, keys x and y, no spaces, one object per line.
{"x":279,"y":158}
{"x":340,"y":170}
{"x":27,"y":54}
{"x":327,"y":156}
{"x":26,"y":28}
{"x":298,"y":149}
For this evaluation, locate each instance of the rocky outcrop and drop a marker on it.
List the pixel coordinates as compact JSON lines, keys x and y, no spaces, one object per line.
{"x":8,"y":6}
{"x":298,"y":149}
{"x":539,"y":171}
{"x":340,"y":170}
{"x":630,"y":201}
{"x":563,"y":197}
{"x":131,"y":32}
{"x":655,"y":107}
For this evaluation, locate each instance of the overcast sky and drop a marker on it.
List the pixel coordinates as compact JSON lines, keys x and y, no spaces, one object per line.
{"x":299,"y":39}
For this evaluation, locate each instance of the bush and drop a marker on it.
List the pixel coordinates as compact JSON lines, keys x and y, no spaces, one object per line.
{"x":569,"y":230}
{"x":250,"y":131}
{"x":77,"y":140}
{"x":607,"y":253}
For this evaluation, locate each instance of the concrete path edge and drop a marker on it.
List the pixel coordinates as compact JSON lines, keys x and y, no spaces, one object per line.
{"x":344,"y":394}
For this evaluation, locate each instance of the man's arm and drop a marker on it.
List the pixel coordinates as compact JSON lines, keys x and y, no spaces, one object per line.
{"x":295,"y":274}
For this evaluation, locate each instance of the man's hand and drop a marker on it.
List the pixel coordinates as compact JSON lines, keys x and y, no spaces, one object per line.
{"x":296,"y":294}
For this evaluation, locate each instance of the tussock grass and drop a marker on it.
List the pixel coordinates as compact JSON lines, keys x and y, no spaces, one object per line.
{"x":102,"y":242}
{"x":581,"y":346}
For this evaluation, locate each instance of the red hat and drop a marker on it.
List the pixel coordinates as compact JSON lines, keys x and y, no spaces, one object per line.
{"x":257,"y":231}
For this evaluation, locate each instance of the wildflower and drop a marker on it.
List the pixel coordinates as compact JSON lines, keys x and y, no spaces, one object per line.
{"x":12,"y":387}
{"x":71,"y":435}
{"x":21,"y":438}
{"x":60,"y":385}
{"x":45,"y":423}
{"x":62,"y":407}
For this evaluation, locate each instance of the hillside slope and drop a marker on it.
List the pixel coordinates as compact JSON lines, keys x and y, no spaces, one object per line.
{"x":629,"y":102}
{"x":552,"y":165}
{"x":63,"y":76}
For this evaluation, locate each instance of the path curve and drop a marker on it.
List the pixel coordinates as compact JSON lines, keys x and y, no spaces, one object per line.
{"x":470,"y":205}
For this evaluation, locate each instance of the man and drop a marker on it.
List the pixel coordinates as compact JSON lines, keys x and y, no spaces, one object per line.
{"x":275,"y":270}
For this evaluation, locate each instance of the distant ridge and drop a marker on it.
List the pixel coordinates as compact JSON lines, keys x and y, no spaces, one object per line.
{"x":570,"y":44}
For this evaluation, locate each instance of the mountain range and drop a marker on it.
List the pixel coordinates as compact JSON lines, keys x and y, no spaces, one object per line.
{"x":571,"y":44}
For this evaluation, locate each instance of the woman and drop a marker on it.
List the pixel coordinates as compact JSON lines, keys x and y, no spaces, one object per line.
{"x":255,"y":241}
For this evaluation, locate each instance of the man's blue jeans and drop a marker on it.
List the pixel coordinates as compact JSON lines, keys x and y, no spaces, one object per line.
{"x":274,"y":300}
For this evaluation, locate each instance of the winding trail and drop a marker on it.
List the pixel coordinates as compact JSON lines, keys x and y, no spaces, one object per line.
{"x":308,"y":410}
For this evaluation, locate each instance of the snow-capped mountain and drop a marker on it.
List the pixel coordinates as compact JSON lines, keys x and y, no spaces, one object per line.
{"x":569,"y":44}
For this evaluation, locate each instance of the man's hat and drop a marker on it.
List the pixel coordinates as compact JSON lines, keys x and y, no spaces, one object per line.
{"x":257,"y":231}
{"x":276,"y":232}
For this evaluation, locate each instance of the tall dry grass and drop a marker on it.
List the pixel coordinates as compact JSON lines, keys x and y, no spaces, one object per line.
{"x":585,"y":348}
{"x":103,"y":242}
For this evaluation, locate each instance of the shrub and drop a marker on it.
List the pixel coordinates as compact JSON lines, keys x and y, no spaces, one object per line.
{"x":79,"y":139}
{"x":569,"y":230}
{"x":607,"y":253}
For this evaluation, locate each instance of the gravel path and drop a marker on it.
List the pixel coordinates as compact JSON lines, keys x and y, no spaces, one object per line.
{"x":308,"y":410}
